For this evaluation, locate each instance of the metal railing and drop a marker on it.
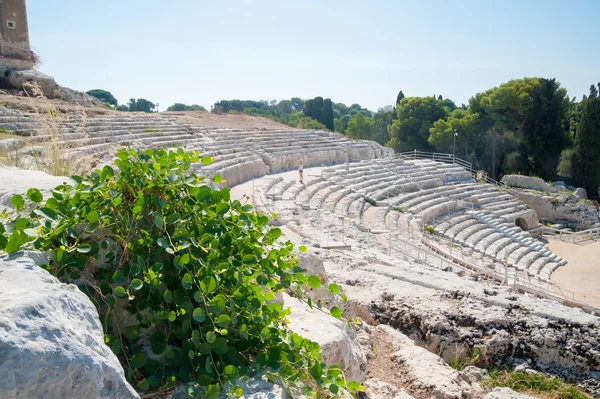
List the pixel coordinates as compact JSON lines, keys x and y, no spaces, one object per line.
{"x":449,"y":158}
{"x":436,"y":156}
{"x":19,"y":54}
{"x":573,"y":236}
{"x":519,"y":280}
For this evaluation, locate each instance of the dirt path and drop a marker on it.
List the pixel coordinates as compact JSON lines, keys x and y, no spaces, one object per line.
{"x":582,"y":273}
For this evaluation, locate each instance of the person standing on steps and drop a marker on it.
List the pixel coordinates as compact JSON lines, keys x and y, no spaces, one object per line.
{"x":301,"y":170}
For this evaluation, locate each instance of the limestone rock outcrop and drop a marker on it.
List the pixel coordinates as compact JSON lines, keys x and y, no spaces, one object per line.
{"x":426,"y":371}
{"x":51,"y":340}
{"x":377,"y":389}
{"x":562,"y":207}
{"x":29,"y":80}
{"x":506,"y":393}
{"x":532,"y":183}
{"x":18,"y":181}
{"x":336,"y":338}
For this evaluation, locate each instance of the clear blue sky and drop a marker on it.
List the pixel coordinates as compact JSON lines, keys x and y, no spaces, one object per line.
{"x":201,"y":51}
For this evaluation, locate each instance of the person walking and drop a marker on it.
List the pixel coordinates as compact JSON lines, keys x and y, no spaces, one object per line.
{"x":301,"y":170}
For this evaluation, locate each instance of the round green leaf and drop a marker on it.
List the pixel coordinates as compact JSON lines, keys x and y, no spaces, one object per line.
{"x":119,"y":291}
{"x":187,"y":281}
{"x":138,"y":360}
{"x":137,"y":284}
{"x":118,"y":277}
{"x":17,"y":201}
{"x":211,"y":337}
{"x":21,"y":224}
{"x":314,"y":281}
{"x":208,"y":285}
{"x":220,"y":346}
{"x":35,"y":195}
{"x":84,"y":248}
{"x":93,"y":217}
{"x":199,"y":315}
{"x":143,"y":385}
{"x":336,"y":312}
{"x":334,"y":288}
{"x":13,"y":245}
{"x":223,"y":320}
{"x":168,"y":295}
{"x":302,"y":248}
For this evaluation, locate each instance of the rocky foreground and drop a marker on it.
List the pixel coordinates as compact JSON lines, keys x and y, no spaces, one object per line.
{"x":51,"y":335}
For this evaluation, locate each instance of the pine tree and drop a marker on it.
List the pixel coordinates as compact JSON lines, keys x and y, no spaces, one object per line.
{"x":586,"y":161}
{"x":544,"y":130}
{"x":317,"y":109}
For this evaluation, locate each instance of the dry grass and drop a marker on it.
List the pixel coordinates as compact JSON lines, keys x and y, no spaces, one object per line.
{"x":535,"y":385}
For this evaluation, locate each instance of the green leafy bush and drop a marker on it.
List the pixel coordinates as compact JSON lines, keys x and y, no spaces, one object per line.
{"x":183,"y":277}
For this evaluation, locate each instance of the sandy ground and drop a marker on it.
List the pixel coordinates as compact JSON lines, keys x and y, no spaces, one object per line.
{"x":208,"y":119}
{"x":582,"y":272}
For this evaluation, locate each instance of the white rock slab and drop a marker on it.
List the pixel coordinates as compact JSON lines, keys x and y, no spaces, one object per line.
{"x":51,"y":340}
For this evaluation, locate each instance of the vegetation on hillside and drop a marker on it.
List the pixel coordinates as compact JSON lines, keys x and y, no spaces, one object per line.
{"x":104,"y":96}
{"x":184,"y":107}
{"x":183,"y":276}
{"x":527,"y":126}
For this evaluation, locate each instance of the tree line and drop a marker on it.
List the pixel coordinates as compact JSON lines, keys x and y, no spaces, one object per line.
{"x":138,"y":104}
{"x":527,"y":126}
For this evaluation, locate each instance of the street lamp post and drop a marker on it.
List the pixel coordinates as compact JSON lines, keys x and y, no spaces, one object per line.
{"x":454,"y":146}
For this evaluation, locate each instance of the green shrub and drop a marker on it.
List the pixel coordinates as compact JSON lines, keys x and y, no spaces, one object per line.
{"x":533,"y":384}
{"x":150,"y":131}
{"x":430,"y":229}
{"x":371,"y":201}
{"x":399,"y":209}
{"x":196,"y":271}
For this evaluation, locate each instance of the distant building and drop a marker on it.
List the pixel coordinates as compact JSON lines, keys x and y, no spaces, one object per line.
{"x":386,"y":108}
{"x":15,"y":51}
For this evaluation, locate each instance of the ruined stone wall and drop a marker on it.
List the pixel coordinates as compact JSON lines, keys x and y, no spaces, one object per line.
{"x":14,"y":32}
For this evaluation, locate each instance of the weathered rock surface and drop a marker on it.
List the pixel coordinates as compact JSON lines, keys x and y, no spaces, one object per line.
{"x":426,"y":371}
{"x":51,"y":340}
{"x":377,"y":389}
{"x":581,"y":193}
{"x":569,"y":210}
{"x":336,"y":338}
{"x":18,"y":181}
{"x":444,"y":312}
{"x":28,"y":79}
{"x":506,"y":393}
{"x":533,"y":183}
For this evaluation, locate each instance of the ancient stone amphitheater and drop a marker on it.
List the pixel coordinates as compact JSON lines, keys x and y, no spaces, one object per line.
{"x":417,"y":243}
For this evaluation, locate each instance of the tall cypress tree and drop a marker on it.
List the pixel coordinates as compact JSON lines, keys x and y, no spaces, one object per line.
{"x":317,"y":109}
{"x":399,"y":97}
{"x":327,"y":114}
{"x":586,"y":158}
